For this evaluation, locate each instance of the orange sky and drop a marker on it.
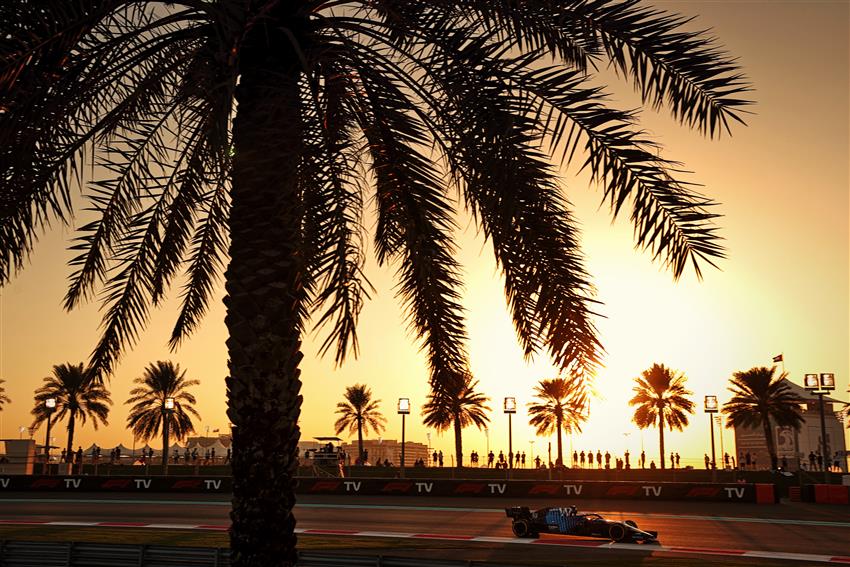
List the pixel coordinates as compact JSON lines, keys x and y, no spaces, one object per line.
{"x":783,"y":182}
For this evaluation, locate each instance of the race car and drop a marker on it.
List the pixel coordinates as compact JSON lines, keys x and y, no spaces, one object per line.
{"x":567,"y":521}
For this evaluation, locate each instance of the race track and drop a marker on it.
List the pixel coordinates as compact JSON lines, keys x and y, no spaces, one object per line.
{"x":786,"y":528}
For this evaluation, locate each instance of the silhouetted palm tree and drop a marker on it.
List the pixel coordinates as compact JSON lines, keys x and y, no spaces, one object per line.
{"x":250,"y":131}
{"x":759,"y":398}
{"x":78,"y":395}
{"x":160,"y":381}
{"x":359,"y":412}
{"x":661,"y":397}
{"x":4,"y":399}
{"x":459,"y":405}
{"x":562,"y":407}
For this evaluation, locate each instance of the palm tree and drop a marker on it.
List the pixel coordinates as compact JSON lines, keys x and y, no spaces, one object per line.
{"x":759,"y":398}
{"x":161,"y":382}
{"x":4,"y":399}
{"x":247,"y":134}
{"x":562,"y":407}
{"x":661,"y":397}
{"x":456,"y":404}
{"x":78,"y":395}
{"x":359,"y":412}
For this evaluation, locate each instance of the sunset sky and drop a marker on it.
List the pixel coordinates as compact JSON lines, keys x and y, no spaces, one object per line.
{"x":783,"y":182}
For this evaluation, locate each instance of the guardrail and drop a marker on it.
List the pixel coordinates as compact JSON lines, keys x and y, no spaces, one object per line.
{"x":53,"y":554}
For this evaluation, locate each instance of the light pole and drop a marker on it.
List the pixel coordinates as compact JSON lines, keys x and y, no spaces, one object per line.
{"x":403,"y":409}
{"x":719,"y":422}
{"x":532,"y":450}
{"x":167,"y":409}
{"x":50,"y":406}
{"x":820,"y":385}
{"x":711,"y":409}
{"x":510,"y":409}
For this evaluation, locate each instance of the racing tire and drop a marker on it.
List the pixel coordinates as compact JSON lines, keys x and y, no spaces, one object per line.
{"x":631,"y":523}
{"x":617,"y":532}
{"x":522,"y":529}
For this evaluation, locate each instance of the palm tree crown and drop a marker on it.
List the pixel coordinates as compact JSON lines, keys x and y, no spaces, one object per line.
{"x":661,"y":397}
{"x":78,"y":395}
{"x":4,"y":399}
{"x":251,"y":133}
{"x":159,"y":381}
{"x":358,"y":413}
{"x":759,"y":397}
{"x":562,"y":407}
{"x":458,"y":405}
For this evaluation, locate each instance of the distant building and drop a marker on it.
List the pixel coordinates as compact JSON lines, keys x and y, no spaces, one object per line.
{"x":796,"y":446}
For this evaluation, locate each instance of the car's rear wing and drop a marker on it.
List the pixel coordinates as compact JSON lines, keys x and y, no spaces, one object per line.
{"x":518,"y":512}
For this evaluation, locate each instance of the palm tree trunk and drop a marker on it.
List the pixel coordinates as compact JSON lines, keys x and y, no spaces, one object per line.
{"x":360,"y":439}
{"x":558,"y":425}
{"x":661,"y":437}
{"x":72,"y":422}
{"x":771,"y":445}
{"x":458,"y":442}
{"x":264,"y":284}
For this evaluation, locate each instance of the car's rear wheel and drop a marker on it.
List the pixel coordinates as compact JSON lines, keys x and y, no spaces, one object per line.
{"x":521,"y":528}
{"x":631,"y":523}
{"x":617,"y":532}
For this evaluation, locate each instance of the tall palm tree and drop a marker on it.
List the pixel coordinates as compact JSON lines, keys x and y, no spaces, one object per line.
{"x":562,"y":407}
{"x":759,"y":398}
{"x":78,"y":395}
{"x":359,"y":412}
{"x":248,"y":133}
{"x":159,"y":382}
{"x":661,"y":397}
{"x":4,"y":399}
{"x":456,"y":404}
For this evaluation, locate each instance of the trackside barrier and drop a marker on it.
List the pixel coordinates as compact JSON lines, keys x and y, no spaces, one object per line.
{"x":55,"y":554}
{"x":759,"y":493}
{"x":646,"y":490}
{"x":826,"y":493}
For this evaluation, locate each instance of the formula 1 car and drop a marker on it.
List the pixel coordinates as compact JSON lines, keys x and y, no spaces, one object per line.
{"x":567,"y":521}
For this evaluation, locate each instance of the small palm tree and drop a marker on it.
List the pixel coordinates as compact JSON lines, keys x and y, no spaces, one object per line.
{"x":660,"y":396}
{"x":78,"y":395}
{"x":359,"y":412}
{"x":562,"y":406}
{"x":757,"y":398}
{"x":456,"y":404}
{"x":160,"y":382}
{"x":4,"y":399}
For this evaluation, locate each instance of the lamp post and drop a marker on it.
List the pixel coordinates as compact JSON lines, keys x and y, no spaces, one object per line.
{"x":719,"y":422}
{"x":510,"y":409}
{"x":711,"y":409}
{"x":403,"y":409}
{"x":532,"y":450}
{"x":167,"y":409}
{"x":820,"y":385}
{"x":50,"y":406}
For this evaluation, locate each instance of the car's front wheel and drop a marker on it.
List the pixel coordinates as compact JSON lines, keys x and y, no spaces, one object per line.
{"x":617,"y":532}
{"x":521,"y":528}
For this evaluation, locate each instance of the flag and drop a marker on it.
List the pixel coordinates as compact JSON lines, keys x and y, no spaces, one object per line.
{"x":777,"y":358}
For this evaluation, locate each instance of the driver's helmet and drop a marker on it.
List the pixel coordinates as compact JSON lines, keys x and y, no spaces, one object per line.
{"x":572,"y":510}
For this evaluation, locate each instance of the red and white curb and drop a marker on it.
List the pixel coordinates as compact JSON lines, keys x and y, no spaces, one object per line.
{"x":554,"y":541}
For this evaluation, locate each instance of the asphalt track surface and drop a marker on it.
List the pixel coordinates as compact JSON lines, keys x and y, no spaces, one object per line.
{"x":796,"y":528}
